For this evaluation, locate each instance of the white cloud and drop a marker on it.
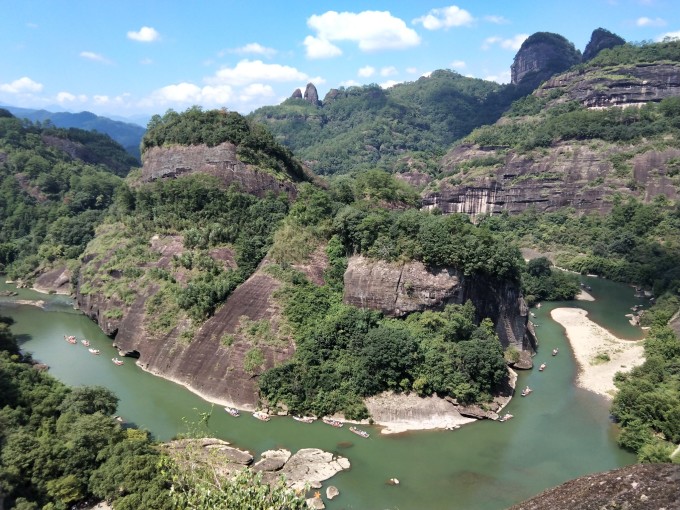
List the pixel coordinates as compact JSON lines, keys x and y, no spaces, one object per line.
{"x":256,"y":91}
{"x":514,"y":43}
{"x":145,"y":34}
{"x":648,"y":22}
{"x":67,"y":97}
{"x":254,"y":49}
{"x":389,"y":83}
{"x":146,"y":61}
{"x":388,"y":71}
{"x":101,"y":99}
{"x":371,"y":30}
{"x":21,"y":86}
{"x":498,"y":20}
{"x":255,"y":71}
{"x":90,"y":55}
{"x":366,"y":71}
{"x":320,"y":48}
{"x":668,"y":35}
{"x":188,"y":93}
{"x":32,"y":25}
{"x":458,"y":64}
{"x":426,"y":74}
{"x":503,"y":77}
{"x":446,"y":17}
{"x":349,"y":83}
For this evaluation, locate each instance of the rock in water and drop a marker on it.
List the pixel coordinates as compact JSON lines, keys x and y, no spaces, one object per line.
{"x":312,"y":465}
{"x":332,"y":492}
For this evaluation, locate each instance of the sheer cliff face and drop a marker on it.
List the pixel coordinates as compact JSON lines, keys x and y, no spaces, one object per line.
{"x":542,"y":55}
{"x":577,"y":175}
{"x":219,"y":161}
{"x":584,"y":175}
{"x":397,"y":289}
{"x":213,"y":362}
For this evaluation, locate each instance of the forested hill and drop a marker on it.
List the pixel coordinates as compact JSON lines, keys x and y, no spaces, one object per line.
{"x":55,"y":185}
{"x":408,"y":125}
{"x":127,"y":134}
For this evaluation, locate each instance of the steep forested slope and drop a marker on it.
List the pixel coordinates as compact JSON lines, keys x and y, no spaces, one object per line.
{"x":406,"y":126}
{"x":55,"y":185}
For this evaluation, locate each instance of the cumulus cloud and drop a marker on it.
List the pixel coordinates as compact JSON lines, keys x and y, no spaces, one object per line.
{"x":446,"y":17}
{"x":256,"y":91}
{"x":388,"y":71}
{"x":411,"y":70}
{"x":669,"y":35}
{"x":189,"y":93}
{"x":255,"y":71}
{"x":370,"y":30}
{"x":144,"y":34}
{"x":320,"y":48}
{"x":513,"y":43}
{"x":21,"y":86}
{"x":366,"y":71}
{"x":254,"y":49}
{"x":90,"y":55}
{"x":648,"y":22}
{"x":458,"y":64}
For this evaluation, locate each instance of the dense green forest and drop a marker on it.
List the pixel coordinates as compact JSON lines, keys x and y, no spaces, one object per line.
{"x":254,"y":143}
{"x":407,"y":126}
{"x":60,"y":446}
{"x":55,"y":187}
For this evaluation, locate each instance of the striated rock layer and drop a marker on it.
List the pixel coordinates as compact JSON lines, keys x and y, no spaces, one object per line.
{"x":568,"y":175}
{"x":397,"y":289}
{"x":219,"y":161}
{"x":213,"y":362}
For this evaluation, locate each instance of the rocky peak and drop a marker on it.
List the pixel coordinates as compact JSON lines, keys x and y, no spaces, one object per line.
{"x":311,"y":95}
{"x":541,"y":56}
{"x":601,"y":39}
{"x":296,"y":94}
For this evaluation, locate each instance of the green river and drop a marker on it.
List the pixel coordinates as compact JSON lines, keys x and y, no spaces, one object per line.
{"x":558,"y":433}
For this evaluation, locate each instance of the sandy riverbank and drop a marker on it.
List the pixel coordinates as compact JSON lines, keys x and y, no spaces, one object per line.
{"x":584,"y":296}
{"x":592,"y":345}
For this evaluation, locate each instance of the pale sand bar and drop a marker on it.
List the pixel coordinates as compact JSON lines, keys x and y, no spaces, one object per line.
{"x":588,"y":340}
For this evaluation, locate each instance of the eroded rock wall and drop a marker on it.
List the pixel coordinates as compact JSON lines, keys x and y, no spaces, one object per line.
{"x":575,"y":175}
{"x":219,"y":161}
{"x":397,"y":289}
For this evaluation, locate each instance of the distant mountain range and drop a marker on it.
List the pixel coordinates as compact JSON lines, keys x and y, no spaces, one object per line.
{"x":127,"y":134}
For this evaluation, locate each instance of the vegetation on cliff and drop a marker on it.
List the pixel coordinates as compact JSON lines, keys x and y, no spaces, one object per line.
{"x":406,"y":126}
{"x":255,"y":144}
{"x":55,"y":185}
{"x":344,"y":353}
{"x":204,"y":217}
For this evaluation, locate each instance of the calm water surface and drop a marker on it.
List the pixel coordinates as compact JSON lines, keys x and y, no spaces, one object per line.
{"x":558,"y":433}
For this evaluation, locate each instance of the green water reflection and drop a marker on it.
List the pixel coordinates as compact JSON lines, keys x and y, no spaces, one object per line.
{"x":558,"y":433}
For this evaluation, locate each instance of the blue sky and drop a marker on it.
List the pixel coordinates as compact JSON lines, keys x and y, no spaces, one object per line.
{"x":127,"y":58}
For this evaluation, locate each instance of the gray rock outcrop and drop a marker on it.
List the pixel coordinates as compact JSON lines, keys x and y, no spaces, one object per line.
{"x":542,"y":55}
{"x":311,"y":94}
{"x":397,"y":289}
{"x":297,"y":94}
{"x":638,"y":487}
{"x":220,"y":161}
{"x":313,"y":466}
{"x":601,"y":39}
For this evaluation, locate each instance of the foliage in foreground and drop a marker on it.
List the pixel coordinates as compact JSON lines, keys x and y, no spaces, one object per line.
{"x":648,"y":402}
{"x":60,"y":446}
